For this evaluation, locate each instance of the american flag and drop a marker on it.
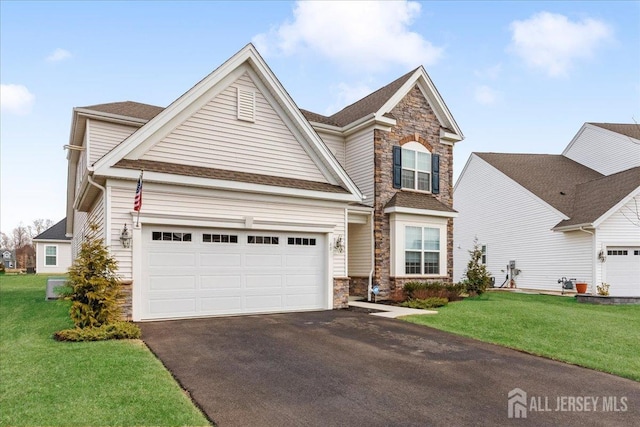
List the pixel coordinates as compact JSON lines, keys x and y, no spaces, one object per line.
{"x":137,"y":201}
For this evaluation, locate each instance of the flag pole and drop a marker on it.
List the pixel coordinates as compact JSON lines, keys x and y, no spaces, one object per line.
{"x":140,"y":190}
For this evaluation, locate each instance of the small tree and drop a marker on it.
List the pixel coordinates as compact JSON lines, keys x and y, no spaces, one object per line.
{"x":94,"y":286}
{"x":478,"y":279}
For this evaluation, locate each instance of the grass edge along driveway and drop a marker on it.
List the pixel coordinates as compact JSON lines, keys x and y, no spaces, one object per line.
{"x":49,"y":383}
{"x":601,"y":337}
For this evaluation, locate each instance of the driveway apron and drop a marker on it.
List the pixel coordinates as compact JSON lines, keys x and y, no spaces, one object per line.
{"x":347,"y":368}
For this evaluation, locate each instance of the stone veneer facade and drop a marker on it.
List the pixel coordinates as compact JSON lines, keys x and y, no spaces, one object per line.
{"x":340,"y":292}
{"x":415,"y":121}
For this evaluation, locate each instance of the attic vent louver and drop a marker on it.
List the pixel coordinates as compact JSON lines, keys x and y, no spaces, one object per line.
{"x":246,"y":105}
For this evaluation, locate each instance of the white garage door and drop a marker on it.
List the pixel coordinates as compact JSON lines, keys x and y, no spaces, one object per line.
{"x":623,"y":271}
{"x":192,"y":272}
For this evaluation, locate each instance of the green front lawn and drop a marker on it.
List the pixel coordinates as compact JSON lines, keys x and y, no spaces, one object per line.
{"x":44,"y":382}
{"x":606,"y":338}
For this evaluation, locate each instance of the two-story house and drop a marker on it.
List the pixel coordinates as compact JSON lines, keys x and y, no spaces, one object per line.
{"x":542,"y":217}
{"x":252,"y":205}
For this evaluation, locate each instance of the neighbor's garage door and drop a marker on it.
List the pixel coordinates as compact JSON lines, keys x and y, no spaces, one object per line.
{"x":189,"y":272}
{"x":623,"y":271}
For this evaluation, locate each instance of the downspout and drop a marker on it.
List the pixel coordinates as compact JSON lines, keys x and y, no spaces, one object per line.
{"x":373,"y":263}
{"x":104,"y":198}
{"x":593,"y":257}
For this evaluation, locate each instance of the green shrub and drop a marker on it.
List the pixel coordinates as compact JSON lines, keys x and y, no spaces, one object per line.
{"x":94,"y":287}
{"x":2,"y":270}
{"x":425,"y":303}
{"x":424,"y":290}
{"x":478,"y":279}
{"x":111,"y":331}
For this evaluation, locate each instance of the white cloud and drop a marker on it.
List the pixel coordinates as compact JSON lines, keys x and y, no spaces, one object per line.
{"x":16,"y":99}
{"x":58,"y":55}
{"x":552,"y":43}
{"x":492,"y":72}
{"x":485,"y":95}
{"x":359,"y":35}
{"x":346,"y":94}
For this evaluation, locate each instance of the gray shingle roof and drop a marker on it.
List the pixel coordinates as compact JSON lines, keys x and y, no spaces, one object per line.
{"x":628,"y":129}
{"x":594,"y":198}
{"x":128,"y":109}
{"x":367,"y":105}
{"x":551,"y":177}
{"x":226,"y":175}
{"x":55,"y":232}
{"x":580,"y":193}
{"x":414,"y":200}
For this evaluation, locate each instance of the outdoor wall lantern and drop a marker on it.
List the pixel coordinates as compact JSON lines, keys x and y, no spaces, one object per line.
{"x":338,"y":245}
{"x":125,"y":237}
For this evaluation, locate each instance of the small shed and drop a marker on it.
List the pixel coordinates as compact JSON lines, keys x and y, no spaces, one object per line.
{"x":53,"y":250}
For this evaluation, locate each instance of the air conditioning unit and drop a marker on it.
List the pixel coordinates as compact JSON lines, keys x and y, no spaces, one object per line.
{"x":52,"y":284}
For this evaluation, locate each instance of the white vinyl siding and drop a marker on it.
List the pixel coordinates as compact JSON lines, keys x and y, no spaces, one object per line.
{"x":336,"y":145}
{"x":82,"y":222}
{"x":359,"y":242}
{"x":515,"y":225}
{"x":104,"y":136}
{"x":359,"y":160}
{"x":619,"y":230}
{"x":222,"y":206}
{"x":63,"y":257}
{"x":214,"y":138}
{"x":604,"y":151}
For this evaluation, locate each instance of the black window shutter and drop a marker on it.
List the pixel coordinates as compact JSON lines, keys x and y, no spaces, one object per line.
{"x":435,"y":173}
{"x":397,"y":167}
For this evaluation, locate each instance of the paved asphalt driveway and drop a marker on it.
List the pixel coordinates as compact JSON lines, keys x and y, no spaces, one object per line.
{"x":347,"y":368}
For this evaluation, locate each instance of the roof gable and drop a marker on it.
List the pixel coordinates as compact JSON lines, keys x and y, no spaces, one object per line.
{"x":552,"y":178}
{"x":55,"y":232}
{"x":380,"y":103}
{"x":594,"y":199}
{"x":249,"y":61}
{"x":214,"y":137}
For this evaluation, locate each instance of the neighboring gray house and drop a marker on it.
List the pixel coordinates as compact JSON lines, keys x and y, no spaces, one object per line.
{"x":573,"y":215}
{"x":53,"y":249}
{"x":8,"y":258}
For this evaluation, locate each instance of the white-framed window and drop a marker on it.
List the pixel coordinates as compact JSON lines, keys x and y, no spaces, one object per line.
{"x":422,"y":250}
{"x":483,"y":257}
{"x":51,"y":255}
{"x":416,"y":167}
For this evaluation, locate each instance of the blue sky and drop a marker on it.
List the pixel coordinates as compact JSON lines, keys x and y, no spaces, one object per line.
{"x":517,"y":76}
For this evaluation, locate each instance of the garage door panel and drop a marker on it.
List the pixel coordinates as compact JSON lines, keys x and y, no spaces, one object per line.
{"x":264,"y":303}
{"x":263,"y":260}
{"x":302,"y":300}
{"x":168,"y":307}
{"x":203,"y":277}
{"x":306,"y":261}
{"x":171,"y":259}
{"x":162,"y":283}
{"x":221,"y":282}
{"x":263,"y":281}
{"x":221,"y":305}
{"x":220,"y":260}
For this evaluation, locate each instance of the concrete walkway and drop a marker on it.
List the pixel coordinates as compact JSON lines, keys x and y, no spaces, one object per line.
{"x":389,"y":311}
